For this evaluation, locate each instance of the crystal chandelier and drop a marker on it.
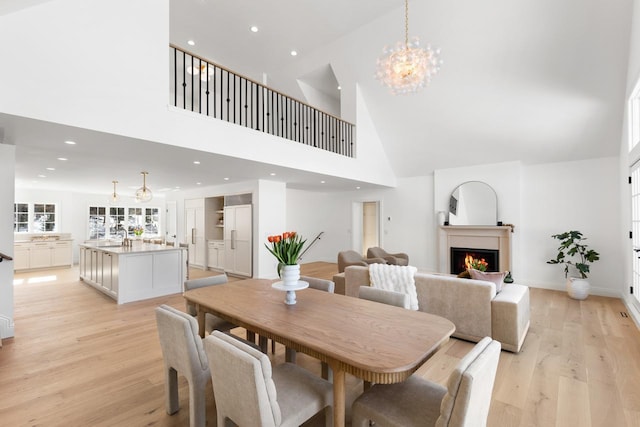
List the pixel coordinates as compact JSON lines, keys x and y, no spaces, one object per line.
{"x":407,"y":67}
{"x":144,"y":194}
{"x":205,"y":71}
{"x":114,"y":197}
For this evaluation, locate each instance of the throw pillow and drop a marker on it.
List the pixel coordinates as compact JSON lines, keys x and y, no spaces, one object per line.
{"x":496,"y":277}
{"x":464,"y":275}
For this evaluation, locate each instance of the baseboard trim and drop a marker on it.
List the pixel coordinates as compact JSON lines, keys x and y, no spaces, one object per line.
{"x":6,"y":327}
{"x":602,"y":292}
{"x":633,"y":309}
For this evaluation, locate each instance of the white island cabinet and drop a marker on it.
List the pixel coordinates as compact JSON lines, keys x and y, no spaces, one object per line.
{"x":133,"y":273}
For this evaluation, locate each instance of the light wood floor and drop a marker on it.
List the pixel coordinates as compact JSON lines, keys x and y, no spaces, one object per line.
{"x":79,"y":359}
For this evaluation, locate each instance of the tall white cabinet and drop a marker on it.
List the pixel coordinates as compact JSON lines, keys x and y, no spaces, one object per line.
{"x":238,"y":239}
{"x":195,"y":232}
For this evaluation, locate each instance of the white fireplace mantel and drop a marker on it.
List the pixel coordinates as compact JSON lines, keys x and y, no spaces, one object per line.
{"x":474,"y":237}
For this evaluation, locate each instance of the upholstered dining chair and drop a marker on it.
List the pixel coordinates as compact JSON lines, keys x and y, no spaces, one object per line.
{"x":250,"y":392}
{"x":418,"y":402}
{"x":347,"y":258}
{"x":211,"y":322}
{"x":384,"y":296}
{"x":399,"y":258}
{"x":183,"y":353}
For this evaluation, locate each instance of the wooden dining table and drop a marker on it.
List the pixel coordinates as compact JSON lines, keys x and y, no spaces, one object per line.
{"x":375,"y":342}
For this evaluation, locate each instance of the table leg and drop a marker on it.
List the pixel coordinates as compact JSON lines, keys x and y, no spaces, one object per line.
{"x":339,"y":397}
{"x":201,"y":315}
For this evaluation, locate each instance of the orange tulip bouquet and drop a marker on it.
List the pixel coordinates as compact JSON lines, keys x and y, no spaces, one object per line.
{"x":286,"y":248}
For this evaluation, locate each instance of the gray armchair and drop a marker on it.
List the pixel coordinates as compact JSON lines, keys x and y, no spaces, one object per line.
{"x":399,"y":258}
{"x":347,"y":258}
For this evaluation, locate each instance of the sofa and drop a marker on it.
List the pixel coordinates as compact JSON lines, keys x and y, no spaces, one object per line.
{"x":472,"y":305}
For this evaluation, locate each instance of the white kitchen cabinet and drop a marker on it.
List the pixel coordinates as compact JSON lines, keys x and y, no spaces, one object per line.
{"x":61,"y":254}
{"x":195,"y":232}
{"x":238,"y":239}
{"x":215,"y":254}
{"x":42,"y":254}
{"x":21,"y":256}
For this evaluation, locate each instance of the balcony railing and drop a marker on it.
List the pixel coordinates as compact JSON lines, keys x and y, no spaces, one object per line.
{"x":207,"y":88}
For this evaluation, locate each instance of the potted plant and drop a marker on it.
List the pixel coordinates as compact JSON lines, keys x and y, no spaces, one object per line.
{"x":576,"y":257}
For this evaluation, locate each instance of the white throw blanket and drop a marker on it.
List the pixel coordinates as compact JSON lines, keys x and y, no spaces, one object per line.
{"x":398,"y":278}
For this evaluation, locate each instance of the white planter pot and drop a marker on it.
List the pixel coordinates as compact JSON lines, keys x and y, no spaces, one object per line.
{"x":578,"y":288}
{"x":290,"y":275}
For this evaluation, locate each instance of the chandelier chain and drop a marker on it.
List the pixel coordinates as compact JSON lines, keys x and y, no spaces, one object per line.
{"x":406,"y":24}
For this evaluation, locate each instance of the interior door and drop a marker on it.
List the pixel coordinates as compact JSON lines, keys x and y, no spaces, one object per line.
{"x":634,"y":172}
{"x":171,"y":230}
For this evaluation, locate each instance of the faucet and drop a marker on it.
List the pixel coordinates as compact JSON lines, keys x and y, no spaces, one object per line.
{"x":125,"y":239}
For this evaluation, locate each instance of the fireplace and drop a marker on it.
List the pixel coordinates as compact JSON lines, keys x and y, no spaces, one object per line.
{"x":475,"y":238}
{"x":461,"y":257}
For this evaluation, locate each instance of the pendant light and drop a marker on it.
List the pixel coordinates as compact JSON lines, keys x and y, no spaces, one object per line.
{"x":144,"y":194}
{"x":114,"y":197}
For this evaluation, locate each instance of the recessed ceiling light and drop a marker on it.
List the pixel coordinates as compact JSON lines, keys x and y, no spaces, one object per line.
{"x":191,"y":43}
{"x":294,"y":53}
{"x":226,"y":179}
{"x":321,"y":182}
{"x":195,"y":162}
{"x":198,"y":183}
{"x":272,"y":174}
{"x":42,"y":176}
{"x":70,"y":142}
{"x":63,"y":159}
{"x":339,"y":87}
{"x":177,"y":187}
{"x":51,"y":169}
{"x":254,"y":29}
{"x":357,"y":188}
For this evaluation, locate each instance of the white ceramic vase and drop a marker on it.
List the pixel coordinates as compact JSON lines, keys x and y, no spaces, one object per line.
{"x":578,"y":288}
{"x":290,"y":275}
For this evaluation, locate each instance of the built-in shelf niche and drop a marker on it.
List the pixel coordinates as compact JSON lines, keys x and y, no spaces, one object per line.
{"x":214,"y":218}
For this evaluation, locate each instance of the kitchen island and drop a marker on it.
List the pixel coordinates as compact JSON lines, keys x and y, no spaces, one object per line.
{"x":126,"y":274}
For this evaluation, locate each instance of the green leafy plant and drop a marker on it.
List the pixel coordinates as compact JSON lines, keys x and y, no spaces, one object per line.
{"x":286,"y":248}
{"x":572,"y":252}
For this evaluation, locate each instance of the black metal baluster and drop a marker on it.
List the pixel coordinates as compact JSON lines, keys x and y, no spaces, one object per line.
{"x":184,"y":81}
{"x":207,"y":93}
{"x":175,"y":77}
{"x":200,"y":87}
{"x":215,"y":92}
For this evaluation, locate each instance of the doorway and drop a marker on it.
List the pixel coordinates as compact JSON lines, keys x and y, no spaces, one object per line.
{"x":366,"y":226}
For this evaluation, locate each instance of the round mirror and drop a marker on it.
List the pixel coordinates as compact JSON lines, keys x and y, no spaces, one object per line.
{"x":473,"y":203}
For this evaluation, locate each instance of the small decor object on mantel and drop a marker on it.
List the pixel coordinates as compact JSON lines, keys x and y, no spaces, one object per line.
{"x":576,"y":257}
{"x":286,"y":248}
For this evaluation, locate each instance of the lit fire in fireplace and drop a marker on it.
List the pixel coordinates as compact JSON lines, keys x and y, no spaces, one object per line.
{"x":475,"y":263}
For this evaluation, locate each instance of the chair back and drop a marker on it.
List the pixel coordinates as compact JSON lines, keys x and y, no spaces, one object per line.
{"x":181,"y":345}
{"x":347,"y":258}
{"x":384,"y":296}
{"x":243,"y":387}
{"x":470,"y":387}
{"x":200,"y":283}
{"x":376,"y":252}
{"x":320,"y":284}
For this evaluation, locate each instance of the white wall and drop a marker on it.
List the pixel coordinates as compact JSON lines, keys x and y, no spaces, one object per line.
{"x":7,"y":176}
{"x":559,"y":197}
{"x":95,"y":83}
{"x":271,"y":219}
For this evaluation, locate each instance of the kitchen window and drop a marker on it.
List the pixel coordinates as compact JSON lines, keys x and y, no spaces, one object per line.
{"x":34,"y":217}
{"x":108,"y":222}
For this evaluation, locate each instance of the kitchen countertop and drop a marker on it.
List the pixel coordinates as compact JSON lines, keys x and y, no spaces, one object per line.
{"x":138,"y":247}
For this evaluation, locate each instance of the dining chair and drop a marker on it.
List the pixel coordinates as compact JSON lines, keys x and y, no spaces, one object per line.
{"x":250,"y":392}
{"x":211,"y":322}
{"x":418,"y":402}
{"x":183,"y":352}
{"x":384,"y":296}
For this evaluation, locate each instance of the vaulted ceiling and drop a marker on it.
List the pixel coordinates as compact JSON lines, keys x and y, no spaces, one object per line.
{"x":533,"y":80}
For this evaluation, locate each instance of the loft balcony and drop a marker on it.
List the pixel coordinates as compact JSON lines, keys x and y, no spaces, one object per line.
{"x":201,"y":86}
